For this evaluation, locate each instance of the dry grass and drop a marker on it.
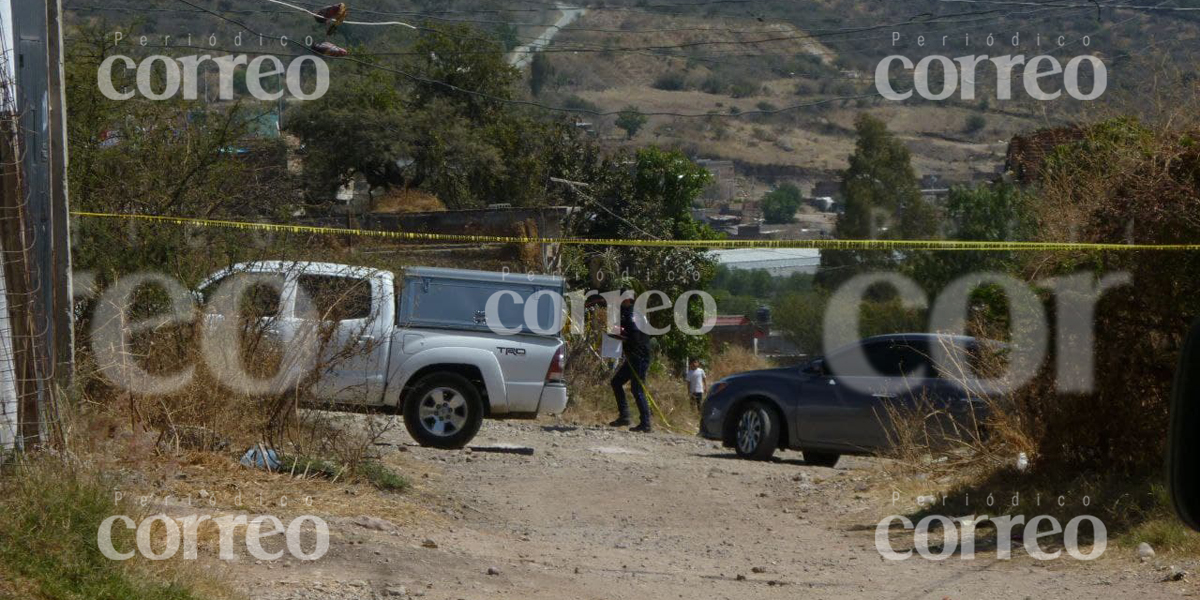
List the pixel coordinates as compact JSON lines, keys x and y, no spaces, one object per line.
{"x":925,"y":438}
{"x":51,"y":509}
{"x":228,"y":486}
{"x":592,"y":398}
{"x":403,"y":200}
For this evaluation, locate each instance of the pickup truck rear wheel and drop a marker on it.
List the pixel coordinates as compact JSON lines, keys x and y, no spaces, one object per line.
{"x":443,"y":411}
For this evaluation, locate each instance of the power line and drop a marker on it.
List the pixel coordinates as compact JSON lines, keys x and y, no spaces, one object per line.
{"x":576,"y":186}
{"x":426,"y":16}
{"x":530,"y":103}
{"x":663,"y":50}
{"x":369,"y":23}
{"x":1158,"y":7}
{"x":810,"y":33}
{"x":660,"y":51}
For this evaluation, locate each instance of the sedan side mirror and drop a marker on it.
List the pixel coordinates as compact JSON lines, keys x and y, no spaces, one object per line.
{"x":1183,"y":451}
{"x":816,"y":367}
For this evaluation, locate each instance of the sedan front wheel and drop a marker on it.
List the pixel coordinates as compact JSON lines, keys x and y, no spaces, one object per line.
{"x":757,"y":431}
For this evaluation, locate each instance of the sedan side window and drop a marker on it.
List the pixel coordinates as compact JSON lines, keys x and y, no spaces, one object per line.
{"x":894,"y":359}
{"x":875,"y":352}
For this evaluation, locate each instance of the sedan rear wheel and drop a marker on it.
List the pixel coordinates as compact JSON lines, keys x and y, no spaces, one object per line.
{"x":757,"y":431}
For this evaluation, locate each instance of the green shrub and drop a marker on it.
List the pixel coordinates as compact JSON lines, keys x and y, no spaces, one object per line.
{"x":671,"y":81}
{"x":50,"y":514}
{"x":714,"y":84}
{"x":975,"y":123}
{"x":383,"y":477}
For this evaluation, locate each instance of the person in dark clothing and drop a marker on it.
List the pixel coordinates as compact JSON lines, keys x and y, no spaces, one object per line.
{"x":635,"y":351}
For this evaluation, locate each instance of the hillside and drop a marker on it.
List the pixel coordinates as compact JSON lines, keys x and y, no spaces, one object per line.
{"x":729,"y":66}
{"x":771,"y":85}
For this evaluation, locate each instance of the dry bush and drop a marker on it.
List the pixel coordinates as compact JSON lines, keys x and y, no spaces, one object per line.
{"x":221,"y":409}
{"x":730,"y":360}
{"x":403,"y":200}
{"x":925,"y":437}
{"x":1124,"y":182}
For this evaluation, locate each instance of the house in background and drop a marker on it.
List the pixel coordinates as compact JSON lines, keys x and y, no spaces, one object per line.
{"x":735,"y":330}
{"x":827,"y":188}
{"x":776,"y":261}
{"x":723,"y":188}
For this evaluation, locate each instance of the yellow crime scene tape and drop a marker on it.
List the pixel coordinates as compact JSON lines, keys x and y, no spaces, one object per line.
{"x":653,"y":404}
{"x":718,"y":244}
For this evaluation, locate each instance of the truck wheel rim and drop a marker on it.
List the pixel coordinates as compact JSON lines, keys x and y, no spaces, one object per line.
{"x":749,"y":431}
{"x":443,"y":411}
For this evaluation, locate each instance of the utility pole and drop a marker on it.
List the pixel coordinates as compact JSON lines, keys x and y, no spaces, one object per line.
{"x":42,"y":118}
{"x":60,"y":213}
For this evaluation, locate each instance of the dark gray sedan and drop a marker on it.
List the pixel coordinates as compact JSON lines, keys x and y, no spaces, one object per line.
{"x":826,"y":414}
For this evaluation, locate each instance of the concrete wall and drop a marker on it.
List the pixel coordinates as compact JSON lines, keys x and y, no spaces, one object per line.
{"x":487,"y":221}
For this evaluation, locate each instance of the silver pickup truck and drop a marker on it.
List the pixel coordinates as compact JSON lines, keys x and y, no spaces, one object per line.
{"x":422,"y":344}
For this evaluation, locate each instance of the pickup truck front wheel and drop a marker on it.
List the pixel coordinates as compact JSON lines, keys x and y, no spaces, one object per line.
{"x":443,"y":411}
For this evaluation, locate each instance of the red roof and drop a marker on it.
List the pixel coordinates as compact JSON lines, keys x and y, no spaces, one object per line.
{"x":730,"y":321}
{"x":1027,"y":153}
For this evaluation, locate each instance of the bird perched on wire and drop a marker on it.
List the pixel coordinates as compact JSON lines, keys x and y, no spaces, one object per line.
{"x":329,"y":49}
{"x":332,"y":15}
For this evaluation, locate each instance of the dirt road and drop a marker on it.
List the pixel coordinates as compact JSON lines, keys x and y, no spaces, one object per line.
{"x":521,"y":56}
{"x":605,"y":514}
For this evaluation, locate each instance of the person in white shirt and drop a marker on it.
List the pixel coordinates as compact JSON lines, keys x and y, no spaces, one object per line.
{"x":695,"y":381}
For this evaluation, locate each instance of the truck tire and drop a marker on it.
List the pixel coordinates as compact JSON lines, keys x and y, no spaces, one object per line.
{"x":443,"y":410}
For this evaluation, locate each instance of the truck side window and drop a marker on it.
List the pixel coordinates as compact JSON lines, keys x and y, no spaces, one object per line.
{"x":261,"y":300}
{"x":334,"y":298}
{"x":208,"y":292}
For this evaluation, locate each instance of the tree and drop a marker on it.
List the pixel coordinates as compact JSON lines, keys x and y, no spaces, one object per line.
{"x":882,"y":199}
{"x":540,"y":73}
{"x":781,"y":204}
{"x":801,"y":318}
{"x":508,"y":35}
{"x":360,"y":127}
{"x":880,"y":188}
{"x":654,"y":203}
{"x":991,"y":212}
{"x":170,"y":157}
{"x":631,"y":120}
{"x":464,"y":66}
{"x":464,"y":148}
{"x":671,"y":81}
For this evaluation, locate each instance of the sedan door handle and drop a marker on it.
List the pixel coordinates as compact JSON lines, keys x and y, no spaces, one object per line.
{"x":884,"y":396}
